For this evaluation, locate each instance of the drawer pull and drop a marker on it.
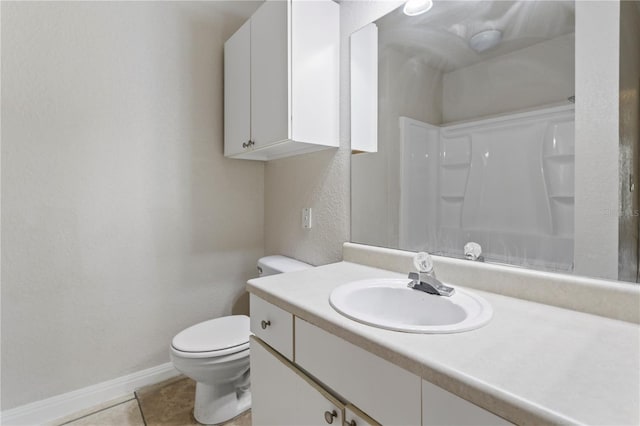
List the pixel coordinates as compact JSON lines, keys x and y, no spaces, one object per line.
{"x":330,"y":415}
{"x":264,"y":324}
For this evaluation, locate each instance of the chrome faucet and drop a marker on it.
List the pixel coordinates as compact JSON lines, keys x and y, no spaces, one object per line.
{"x":425,"y":280}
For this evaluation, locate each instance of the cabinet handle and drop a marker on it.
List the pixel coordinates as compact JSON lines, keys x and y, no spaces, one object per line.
{"x":244,"y":144}
{"x":330,"y":415}
{"x":248,"y":144}
{"x":352,"y":423}
{"x":264,"y":324}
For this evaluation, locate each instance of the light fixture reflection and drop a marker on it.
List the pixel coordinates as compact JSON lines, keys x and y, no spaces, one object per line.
{"x":417,"y":7}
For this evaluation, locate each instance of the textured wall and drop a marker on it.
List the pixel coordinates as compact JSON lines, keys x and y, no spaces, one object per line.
{"x":122,"y":222}
{"x":319,"y":180}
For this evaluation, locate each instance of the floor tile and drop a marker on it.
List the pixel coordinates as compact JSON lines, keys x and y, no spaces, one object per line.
{"x":92,"y":410}
{"x":124,"y":414}
{"x":170,"y":403}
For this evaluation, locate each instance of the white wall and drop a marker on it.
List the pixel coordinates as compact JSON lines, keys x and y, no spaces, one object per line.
{"x":122,"y":222}
{"x":319,"y":180}
{"x":597,"y":139}
{"x":538,"y":75}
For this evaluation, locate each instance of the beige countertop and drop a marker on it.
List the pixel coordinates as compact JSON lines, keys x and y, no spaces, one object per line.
{"x":532,"y":364}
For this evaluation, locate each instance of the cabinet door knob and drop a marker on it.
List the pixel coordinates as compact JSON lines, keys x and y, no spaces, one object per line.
{"x":330,"y":415}
{"x":264,"y":324}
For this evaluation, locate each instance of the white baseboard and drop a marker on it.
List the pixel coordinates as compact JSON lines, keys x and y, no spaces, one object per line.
{"x":47,"y":410}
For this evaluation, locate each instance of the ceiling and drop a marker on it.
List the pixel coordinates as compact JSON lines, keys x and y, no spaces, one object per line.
{"x":441,"y":35}
{"x":242,"y":9}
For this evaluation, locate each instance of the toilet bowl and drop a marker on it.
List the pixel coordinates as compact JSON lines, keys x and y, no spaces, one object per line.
{"x":215,"y":353}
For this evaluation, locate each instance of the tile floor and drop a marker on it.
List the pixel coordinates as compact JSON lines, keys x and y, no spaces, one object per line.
{"x":169,"y":403}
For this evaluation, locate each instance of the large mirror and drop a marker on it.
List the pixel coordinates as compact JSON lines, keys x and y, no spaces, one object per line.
{"x":476,"y":134}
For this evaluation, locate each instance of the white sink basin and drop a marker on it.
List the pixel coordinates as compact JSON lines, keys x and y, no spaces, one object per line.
{"x":390,"y":304}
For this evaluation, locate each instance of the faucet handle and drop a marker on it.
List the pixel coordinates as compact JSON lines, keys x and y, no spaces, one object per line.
{"x":473,"y":251}
{"x":423,"y":262}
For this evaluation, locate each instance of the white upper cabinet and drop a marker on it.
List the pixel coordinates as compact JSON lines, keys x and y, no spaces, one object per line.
{"x":282,"y":81}
{"x":237,"y":91}
{"x":269,"y":76}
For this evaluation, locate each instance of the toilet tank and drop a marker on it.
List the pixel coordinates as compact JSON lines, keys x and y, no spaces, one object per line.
{"x":271,"y":265}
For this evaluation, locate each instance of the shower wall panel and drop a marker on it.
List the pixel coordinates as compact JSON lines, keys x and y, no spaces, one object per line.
{"x":505,"y":182}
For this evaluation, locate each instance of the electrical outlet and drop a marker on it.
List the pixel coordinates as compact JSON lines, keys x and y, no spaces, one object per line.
{"x":306,"y":218}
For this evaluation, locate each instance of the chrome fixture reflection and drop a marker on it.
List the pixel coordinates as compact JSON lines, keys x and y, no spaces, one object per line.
{"x":473,"y":251}
{"x":485,"y":40}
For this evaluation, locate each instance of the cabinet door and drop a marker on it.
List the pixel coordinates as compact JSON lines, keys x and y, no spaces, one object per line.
{"x":281,"y":395}
{"x":355,"y":417}
{"x":270,"y":73}
{"x":386,"y":392}
{"x":441,"y":408}
{"x":237,"y":90}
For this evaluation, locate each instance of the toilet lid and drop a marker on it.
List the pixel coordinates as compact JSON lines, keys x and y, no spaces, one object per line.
{"x":214,"y":335}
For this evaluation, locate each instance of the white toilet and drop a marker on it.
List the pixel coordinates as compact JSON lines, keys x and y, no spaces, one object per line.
{"x":215,"y":354}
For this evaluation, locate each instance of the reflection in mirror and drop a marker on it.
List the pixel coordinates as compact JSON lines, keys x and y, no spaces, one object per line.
{"x":475,"y":134}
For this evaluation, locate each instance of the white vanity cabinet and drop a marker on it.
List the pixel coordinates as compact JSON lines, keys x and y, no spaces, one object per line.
{"x":355,"y":417}
{"x":387,"y":393}
{"x":440,"y":407}
{"x":360,"y":387}
{"x":282,"y":81}
{"x":272,"y":325}
{"x":282,"y":395}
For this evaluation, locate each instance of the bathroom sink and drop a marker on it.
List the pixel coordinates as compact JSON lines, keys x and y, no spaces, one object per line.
{"x":390,"y":304}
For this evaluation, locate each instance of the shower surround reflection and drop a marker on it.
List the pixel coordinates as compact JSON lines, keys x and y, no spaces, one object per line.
{"x":473,"y":146}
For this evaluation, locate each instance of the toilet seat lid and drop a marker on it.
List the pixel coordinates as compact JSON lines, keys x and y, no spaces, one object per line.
{"x":219,"y":334}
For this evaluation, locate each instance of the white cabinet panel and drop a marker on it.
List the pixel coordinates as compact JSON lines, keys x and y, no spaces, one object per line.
{"x":273,"y":325}
{"x":364,"y":89}
{"x":355,"y":417}
{"x":386,"y":392}
{"x":441,"y":408}
{"x":315,"y":72}
{"x":282,"y":395}
{"x":270,"y":74}
{"x":237,"y":93}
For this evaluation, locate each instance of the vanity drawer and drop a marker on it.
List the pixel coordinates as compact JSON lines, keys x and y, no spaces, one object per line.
{"x":386,"y":392}
{"x":272,"y":325}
